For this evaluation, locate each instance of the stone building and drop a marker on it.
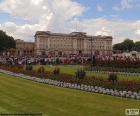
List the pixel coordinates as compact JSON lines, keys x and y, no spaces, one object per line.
{"x":24,"y":48}
{"x":47,"y":42}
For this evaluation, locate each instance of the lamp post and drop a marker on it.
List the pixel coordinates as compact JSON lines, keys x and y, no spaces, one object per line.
{"x":91,"y":42}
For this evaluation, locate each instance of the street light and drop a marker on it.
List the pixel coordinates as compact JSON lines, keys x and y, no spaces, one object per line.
{"x":91,"y":50}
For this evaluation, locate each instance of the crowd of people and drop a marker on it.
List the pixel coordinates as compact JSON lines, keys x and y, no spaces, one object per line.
{"x":120,"y":60}
{"x":44,"y":60}
{"x":77,"y":59}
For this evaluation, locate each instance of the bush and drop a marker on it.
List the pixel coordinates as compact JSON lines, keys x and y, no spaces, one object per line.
{"x":41,"y":70}
{"x":19,"y":66}
{"x":133,"y":85}
{"x":57,"y":61}
{"x":56,"y":71}
{"x":113,"y":77}
{"x":80,"y":74}
{"x":29,"y":67}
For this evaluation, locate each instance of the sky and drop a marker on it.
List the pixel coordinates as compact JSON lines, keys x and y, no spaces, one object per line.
{"x":117,"y":18}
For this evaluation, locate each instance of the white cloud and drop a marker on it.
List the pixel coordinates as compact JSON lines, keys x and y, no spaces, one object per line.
{"x":62,"y":16}
{"x":42,"y":14}
{"x":44,"y":7}
{"x":25,"y":32}
{"x":99,"y":8}
{"x":119,"y":29}
{"x":138,"y":32}
{"x":104,"y":31}
{"x":124,"y":4}
{"x":32,"y":10}
{"x":36,"y":2}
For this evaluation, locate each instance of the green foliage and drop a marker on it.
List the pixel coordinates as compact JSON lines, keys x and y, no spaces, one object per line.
{"x":137,"y":46}
{"x":80,"y":74}
{"x":29,"y":67}
{"x":71,"y":69}
{"x":126,"y":45}
{"x":6,"y":41}
{"x":118,"y":46}
{"x":113,"y":77}
{"x":94,"y":80}
{"x":41,"y":70}
{"x":56,"y":71}
{"x":113,"y":68}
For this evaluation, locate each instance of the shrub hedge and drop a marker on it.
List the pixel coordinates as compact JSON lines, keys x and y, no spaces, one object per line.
{"x":94,"y":81}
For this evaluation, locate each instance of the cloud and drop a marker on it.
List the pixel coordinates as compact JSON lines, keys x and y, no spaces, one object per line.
{"x":36,"y":2}
{"x":104,"y":31}
{"x":138,"y":32}
{"x":99,"y":8}
{"x":62,"y":16}
{"x":33,"y":10}
{"x":42,"y":15}
{"x":124,"y":4}
{"x":25,"y":32}
{"x":119,"y":29}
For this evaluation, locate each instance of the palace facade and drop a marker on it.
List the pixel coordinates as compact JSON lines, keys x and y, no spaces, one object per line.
{"x":47,"y":42}
{"x":22,"y":48}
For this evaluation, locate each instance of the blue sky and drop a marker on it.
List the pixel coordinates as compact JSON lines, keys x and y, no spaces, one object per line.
{"x":118,"y":18}
{"x":108,"y":11}
{"x":6,"y":17}
{"x":91,"y":11}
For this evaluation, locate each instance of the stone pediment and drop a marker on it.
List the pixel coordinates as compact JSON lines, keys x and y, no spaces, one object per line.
{"x":78,"y":34}
{"x":42,"y":33}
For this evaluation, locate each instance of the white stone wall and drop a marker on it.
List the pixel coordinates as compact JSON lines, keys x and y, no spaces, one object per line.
{"x":71,"y":44}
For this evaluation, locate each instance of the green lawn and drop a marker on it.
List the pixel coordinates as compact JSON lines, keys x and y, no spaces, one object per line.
{"x":19,"y":95}
{"x":71,"y":69}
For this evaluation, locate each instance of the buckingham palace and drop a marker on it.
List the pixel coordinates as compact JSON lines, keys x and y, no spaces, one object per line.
{"x":47,"y":42}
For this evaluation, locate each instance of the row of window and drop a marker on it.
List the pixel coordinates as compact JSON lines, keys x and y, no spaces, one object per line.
{"x":57,"y":41}
{"x":60,"y":46}
{"x":43,"y":46}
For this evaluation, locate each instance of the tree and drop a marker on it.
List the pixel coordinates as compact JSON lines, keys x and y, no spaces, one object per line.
{"x":137,"y":46}
{"x":126,"y":45}
{"x":118,"y":46}
{"x":6,"y":41}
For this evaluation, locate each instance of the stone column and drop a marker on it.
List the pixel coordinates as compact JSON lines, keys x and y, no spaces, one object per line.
{"x":74,"y":45}
{"x":48,"y":43}
{"x":85,"y":45}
